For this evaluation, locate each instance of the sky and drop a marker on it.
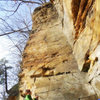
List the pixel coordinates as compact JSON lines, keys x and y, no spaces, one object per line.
{"x":22,"y":13}
{"x":4,"y":47}
{"x":5,"y":43}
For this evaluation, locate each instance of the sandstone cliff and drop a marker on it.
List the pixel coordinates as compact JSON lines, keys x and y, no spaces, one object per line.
{"x":81,"y":27}
{"x":61,"y":58}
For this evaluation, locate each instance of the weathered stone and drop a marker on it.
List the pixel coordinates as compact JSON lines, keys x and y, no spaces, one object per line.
{"x":89,"y":98}
{"x":65,"y":43}
{"x":81,"y":27}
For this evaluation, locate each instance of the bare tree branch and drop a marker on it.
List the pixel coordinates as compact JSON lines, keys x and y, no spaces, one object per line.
{"x":14,"y":32}
{"x":29,"y":1}
{"x":21,"y":30}
{"x":6,"y":23}
{"x":15,"y":9}
{"x":15,"y":44}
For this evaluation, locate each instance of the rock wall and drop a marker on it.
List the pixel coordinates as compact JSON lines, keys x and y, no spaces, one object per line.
{"x":81,"y":27}
{"x":61,"y":58}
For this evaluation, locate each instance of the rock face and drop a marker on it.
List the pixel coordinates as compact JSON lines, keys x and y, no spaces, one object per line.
{"x":61,"y":58}
{"x":81,"y":27}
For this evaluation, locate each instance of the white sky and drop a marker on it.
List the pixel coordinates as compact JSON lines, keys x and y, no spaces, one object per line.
{"x":4,"y":47}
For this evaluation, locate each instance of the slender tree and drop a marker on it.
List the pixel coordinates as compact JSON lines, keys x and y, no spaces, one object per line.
{"x":4,"y":78}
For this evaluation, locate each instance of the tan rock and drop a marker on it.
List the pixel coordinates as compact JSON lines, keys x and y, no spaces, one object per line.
{"x":81,"y":27}
{"x":65,"y":42}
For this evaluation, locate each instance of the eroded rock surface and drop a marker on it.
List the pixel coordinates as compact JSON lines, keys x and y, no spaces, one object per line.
{"x":81,"y":27}
{"x":61,"y":58}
